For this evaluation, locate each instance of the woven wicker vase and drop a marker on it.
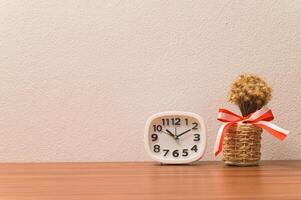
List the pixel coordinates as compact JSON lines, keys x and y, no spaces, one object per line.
{"x":241,"y":145}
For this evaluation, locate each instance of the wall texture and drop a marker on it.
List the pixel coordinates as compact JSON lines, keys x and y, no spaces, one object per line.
{"x":78,"y":79}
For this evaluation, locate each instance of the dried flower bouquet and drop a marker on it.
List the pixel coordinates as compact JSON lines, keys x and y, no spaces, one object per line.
{"x":240,"y":136}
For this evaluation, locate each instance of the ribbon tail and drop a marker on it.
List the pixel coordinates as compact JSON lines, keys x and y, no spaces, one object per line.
{"x":276,"y":131}
{"x":220,"y":137}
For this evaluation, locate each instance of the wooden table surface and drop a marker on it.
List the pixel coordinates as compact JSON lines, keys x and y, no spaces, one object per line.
{"x":148,"y":180}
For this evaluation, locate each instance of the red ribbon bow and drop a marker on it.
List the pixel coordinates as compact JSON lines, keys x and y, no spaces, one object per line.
{"x":259,"y":118}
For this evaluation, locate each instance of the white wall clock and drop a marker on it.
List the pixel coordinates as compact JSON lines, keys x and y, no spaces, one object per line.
{"x":175,"y":137}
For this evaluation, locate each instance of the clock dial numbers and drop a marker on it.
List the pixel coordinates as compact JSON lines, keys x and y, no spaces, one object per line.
{"x":171,"y":121}
{"x":197,"y":137}
{"x":195,"y":126}
{"x":157,"y":148}
{"x":185,"y":152}
{"x":154,"y":137}
{"x":175,"y":153}
{"x":165,"y":152}
{"x":157,"y":128}
{"x":176,"y":121}
{"x":194,"y":148}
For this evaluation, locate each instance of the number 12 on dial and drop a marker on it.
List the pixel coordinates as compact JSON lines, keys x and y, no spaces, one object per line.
{"x":175,"y":137}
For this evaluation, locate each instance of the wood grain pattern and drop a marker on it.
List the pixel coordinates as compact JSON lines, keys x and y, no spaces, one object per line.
{"x":148,"y":180}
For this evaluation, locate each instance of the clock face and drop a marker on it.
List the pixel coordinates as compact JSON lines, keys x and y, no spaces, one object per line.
{"x":175,"y":137}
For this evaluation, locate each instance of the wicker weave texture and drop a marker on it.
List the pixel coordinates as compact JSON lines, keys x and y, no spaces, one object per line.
{"x":241,"y":145}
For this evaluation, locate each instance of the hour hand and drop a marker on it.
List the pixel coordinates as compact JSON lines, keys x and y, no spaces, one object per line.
{"x":170,"y":133}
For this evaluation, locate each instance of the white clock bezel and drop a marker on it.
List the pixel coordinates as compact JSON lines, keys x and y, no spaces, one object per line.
{"x":175,"y":113}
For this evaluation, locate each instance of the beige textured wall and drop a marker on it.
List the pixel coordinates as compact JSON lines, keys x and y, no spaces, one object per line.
{"x":78,"y":79}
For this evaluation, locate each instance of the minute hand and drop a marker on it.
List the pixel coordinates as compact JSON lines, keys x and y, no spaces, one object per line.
{"x":183,"y":133}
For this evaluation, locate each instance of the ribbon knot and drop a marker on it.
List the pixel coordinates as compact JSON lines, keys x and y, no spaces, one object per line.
{"x":259,"y":118}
